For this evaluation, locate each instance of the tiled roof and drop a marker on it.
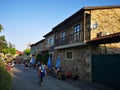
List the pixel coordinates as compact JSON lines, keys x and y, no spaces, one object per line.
{"x":19,"y":52}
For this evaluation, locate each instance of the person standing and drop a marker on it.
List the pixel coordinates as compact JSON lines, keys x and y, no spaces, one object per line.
{"x":32,"y":62}
{"x":26,"y":65}
{"x":41,"y":73}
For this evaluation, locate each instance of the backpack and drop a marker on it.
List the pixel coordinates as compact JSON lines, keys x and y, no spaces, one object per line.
{"x":41,"y":71}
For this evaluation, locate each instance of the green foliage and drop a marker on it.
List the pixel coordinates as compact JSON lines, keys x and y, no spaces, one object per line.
{"x":1,"y":28}
{"x":5,"y":78}
{"x":12,"y":51}
{"x":5,"y":50}
{"x":39,"y":58}
{"x":45,"y":58}
{"x":27,"y":51}
{"x":10,"y":45}
{"x":3,"y":43}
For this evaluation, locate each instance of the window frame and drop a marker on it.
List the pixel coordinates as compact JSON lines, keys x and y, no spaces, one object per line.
{"x":63,"y":35}
{"x":50,"y":41}
{"x":76,"y":31}
{"x":69,"y":51}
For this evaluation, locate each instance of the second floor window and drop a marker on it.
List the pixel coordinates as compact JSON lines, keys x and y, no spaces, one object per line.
{"x":76,"y":32}
{"x":50,"y":41}
{"x":63,"y":35}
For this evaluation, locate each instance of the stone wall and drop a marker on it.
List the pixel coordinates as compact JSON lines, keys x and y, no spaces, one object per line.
{"x":108,"y":21}
{"x":113,"y":48}
{"x":80,"y":64}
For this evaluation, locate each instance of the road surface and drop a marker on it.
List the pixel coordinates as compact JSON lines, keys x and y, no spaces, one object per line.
{"x":27,"y":80}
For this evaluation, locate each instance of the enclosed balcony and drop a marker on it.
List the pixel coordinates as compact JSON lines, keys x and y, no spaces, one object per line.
{"x":71,"y":40}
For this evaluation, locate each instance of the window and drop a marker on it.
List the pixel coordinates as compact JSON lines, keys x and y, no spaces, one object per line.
{"x":69,"y":55}
{"x":63,"y":35}
{"x":77,"y":32}
{"x":50,"y":41}
{"x":77,"y":28}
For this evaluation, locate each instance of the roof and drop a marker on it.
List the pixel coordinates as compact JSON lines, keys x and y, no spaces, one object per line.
{"x":19,"y":52}
{"x":48,"y":34}
{"x":112,"y":38}
{"x":32,"y":44}
{"x":39,"y":42}
{"x":100,"y":7}
{"x":82,"y":10}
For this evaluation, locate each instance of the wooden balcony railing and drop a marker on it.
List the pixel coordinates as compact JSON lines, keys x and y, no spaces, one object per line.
{"x":69,"y":39}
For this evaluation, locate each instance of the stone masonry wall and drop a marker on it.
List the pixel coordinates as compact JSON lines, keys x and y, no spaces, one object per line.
{"x":81,"y":63}
{"x":113,"y":48}
{"x":108,"y":21}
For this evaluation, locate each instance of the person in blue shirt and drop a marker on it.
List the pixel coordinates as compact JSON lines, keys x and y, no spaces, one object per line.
{"x":41,"y":73}
{"x":32,"y":62}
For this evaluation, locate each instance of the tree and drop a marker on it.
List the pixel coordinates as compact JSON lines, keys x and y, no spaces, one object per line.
{"x":3,"y":43}
{"x":10,"y":45}
{"x":27,"y":52}
{"x":39,"y":58}
{"x":45,"y":58}
{"x":5,"y":50}
{"x":5,"y":77}
{"x":12,"y":51}
{"x":1,"y":28}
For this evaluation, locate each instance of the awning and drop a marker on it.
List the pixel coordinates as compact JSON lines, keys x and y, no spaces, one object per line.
{"x":112,"y":38}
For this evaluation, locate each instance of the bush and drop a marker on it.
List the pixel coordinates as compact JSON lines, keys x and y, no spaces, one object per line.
{"x":39,"y":58}
{"x":5,"y":78}
{"x":45,"y":58}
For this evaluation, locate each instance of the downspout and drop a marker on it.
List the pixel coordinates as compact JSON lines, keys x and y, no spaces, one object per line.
{"x":84,"y":27}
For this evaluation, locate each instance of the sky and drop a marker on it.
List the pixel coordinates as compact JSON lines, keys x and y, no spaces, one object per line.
{"x":27,"y":21}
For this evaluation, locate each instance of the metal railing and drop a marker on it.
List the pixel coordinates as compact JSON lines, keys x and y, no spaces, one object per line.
{"x":69,"y":39}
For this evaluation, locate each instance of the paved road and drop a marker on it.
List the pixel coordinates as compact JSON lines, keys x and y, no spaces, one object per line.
{"x":27,"y":80}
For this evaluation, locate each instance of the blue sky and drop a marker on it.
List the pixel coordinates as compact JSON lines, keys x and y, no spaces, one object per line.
{"x":27,"y":21}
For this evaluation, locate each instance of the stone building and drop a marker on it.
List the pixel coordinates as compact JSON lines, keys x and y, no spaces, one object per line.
{"x":88,"y":44}
{"x":81,"y":37}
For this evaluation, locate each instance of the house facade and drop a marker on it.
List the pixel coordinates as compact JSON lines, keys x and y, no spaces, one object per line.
{"x":74,"y":42}
{"x":38,"y":47}
{"x":32,"y":49}
{"x":71,"y":46}
{"x":50,"y":43}
{"x":90,"y":34}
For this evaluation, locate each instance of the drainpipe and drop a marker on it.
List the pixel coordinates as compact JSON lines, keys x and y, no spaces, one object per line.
{"x":84,"y":26}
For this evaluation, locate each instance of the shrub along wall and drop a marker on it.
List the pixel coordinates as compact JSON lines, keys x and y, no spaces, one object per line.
{"x":5,"y":78}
